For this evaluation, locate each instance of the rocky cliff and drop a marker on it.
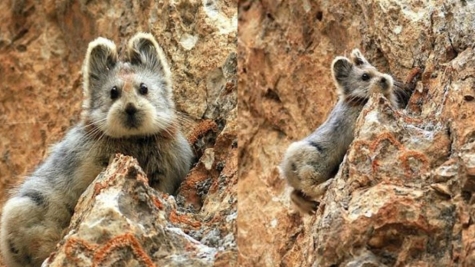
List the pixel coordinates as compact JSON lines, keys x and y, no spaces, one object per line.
{"x":42,"y":46}
{"x":403,"y":195}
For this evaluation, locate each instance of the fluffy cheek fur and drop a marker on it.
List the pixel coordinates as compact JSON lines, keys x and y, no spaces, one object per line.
{"x":360,"y":91}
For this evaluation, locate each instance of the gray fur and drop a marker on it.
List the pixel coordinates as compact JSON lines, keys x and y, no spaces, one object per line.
{"x":35,"y":216}
{"x":308,"y":164}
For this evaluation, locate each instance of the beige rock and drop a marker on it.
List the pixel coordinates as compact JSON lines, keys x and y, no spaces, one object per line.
{"x":403,"y":194}
{"x":42,"y":46}
{"x":121,"y":220}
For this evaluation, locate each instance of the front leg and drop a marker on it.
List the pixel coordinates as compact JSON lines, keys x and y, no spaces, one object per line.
{"x":159,"y":181}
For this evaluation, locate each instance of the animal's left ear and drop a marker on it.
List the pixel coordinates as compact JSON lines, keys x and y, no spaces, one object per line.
{"x":357,"y":58}
{"x":144,"y":50}
{"x":101,"y":58}
{"x":341,"y":70}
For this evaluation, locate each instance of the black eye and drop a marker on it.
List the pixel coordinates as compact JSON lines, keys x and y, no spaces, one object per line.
{"x":114,"y":93}
{"x":143,"y":89}
{"x":365,"y":77}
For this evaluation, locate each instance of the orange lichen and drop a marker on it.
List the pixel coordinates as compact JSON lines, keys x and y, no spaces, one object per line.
{"x":157,"y":203}
{"x":360,"y":143}
{"x":359,"y":182}
{"x":404,"y":158}
{"x":75,"y":244}
{"x":412,"y":120}
{"x":98,"y":188}
{"x":178,"y":218}
{"x":374,"y":165}
{"x":361,"y":147}
{"x":201,"y":129}
{"x":126,"y":240}
{"x":413,"y":75}
{"x":386,"y":136}
{"x":189,"y":188}
{"x":231,"y":166}
{"x":142,"y":178}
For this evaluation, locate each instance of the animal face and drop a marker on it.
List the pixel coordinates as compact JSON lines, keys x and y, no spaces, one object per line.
{"x":357,"y":79}
{"x":131,"y":97}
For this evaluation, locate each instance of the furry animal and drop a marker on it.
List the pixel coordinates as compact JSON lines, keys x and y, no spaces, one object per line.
{"x":308,"y":164}
{"x":128,"y":108}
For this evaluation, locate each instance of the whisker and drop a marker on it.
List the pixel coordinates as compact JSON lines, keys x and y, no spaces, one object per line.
{"x":94,"y":144}
{"x":157,"y":142}
{"x":27,"y":122}
{"x":356,"y":99}
{"x":94,"y":122}
{"x":185,"y":118}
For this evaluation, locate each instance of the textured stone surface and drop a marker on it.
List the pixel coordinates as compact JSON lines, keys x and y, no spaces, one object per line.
{"x":121,"y":220}
{"x":404,"y":193}
{"x":42,"y":46}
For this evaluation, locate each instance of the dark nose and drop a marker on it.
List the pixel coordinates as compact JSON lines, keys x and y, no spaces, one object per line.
{"x":130,"y":109}
{"x":383,"y":80}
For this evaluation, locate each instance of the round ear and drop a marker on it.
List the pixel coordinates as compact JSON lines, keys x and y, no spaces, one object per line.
{"x":144,"y":50}
{"x":101,"y":57}
{"x":341,"y":68}
{"x":357,"y":58}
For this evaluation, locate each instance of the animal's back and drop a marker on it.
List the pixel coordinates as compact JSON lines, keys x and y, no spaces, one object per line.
{"x":308,"y":164}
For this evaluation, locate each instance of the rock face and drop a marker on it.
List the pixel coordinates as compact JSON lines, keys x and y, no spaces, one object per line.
{"x":403,"y":195}
{"x":121,"y":220}
{"x":42,"y":46}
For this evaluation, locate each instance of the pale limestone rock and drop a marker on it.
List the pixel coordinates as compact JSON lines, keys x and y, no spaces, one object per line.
{"x":121,"y":220}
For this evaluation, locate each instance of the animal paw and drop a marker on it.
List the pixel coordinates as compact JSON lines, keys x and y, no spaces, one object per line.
{"x":303,"y":203}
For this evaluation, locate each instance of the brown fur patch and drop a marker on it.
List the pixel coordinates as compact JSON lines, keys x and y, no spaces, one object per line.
{"x":126,"y":75}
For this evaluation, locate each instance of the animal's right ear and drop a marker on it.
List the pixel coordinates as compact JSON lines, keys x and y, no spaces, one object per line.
{"x":358,"y":58}
{"x":341,"y":68}
{"x":101,"y":57}
{"x":143,"y":50}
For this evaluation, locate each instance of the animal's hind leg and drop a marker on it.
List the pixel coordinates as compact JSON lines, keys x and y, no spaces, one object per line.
{"x":26,"y":239}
